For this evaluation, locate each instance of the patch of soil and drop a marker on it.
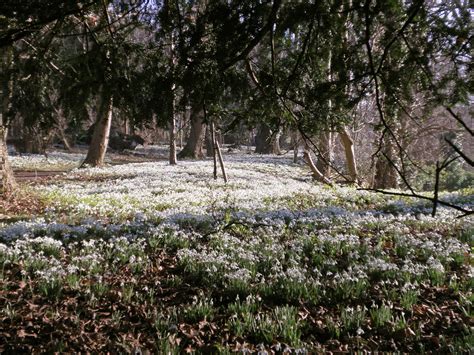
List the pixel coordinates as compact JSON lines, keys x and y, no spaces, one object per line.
{"x":20,"y":205}
{"x":124,"y":158}
{"x":22,"y":175}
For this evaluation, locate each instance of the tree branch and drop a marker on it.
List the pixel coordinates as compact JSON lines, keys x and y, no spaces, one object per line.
{"x":256,"y":40}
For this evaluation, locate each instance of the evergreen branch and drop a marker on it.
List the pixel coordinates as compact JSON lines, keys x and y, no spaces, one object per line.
{"x":256,"y":40}
{"x":416,"y":8}
{"x":54,"y":13}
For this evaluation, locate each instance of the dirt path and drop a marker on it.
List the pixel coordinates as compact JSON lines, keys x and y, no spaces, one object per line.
{"x":22,"y":175}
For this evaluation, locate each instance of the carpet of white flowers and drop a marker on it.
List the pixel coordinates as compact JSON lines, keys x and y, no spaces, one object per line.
{"x":164,"y":258}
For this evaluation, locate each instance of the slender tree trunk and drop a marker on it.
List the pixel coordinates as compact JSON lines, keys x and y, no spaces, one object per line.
{"x":326,"y":139}
{"x":65,"y":140}
{"x":194,"y":145}
{"x":213,"y":148}
{"x":126,"y":126}
{"x":173,"y":160}
{"x":61,"y":129}
{"x":209,"y":139}
{"x":344,"y":74}
{"x":221,"y":160}
{"x":348,"y":145}
{"x":100,"y":136}
{"x":217,"y":151}
{"x":180,"y":131}
{"x":295,"y":144}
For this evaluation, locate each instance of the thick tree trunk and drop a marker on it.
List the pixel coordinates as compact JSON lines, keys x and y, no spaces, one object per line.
{"x":276,"y":143}
{"x":194,"y":146}
{"x":326,"y":150}
{"x":348,"y":145}
{"x":239,"y":136}
{"x":263,"y":140}
{"x":386,"y":176}
{"x":100,"y":136}
{"x":7,"y":180}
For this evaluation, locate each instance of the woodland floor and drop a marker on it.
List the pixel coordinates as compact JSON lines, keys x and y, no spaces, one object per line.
{"x":143,"y":256}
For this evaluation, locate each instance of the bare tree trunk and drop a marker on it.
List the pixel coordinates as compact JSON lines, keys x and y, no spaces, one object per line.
{"x":221,"y":160}
{"x":213,"y":148}
{"x":100,"y":136}
{"x":348,"y":145}
{"x":326,"y":148}
{"x":347,"y":75}
{"x":126,"y":126}
{"x":209,"y":141}
{"x":181,"y":131}
{"x":217,"y":151}
{"x":194,"y":145}
{"x":7,"y":180}
{"x":65,"y":140}
{"x":386,"y":176}
{"x":173,"y":160}
{"x":263,"y":140}
{"x":276,"y":142}
{"x":295,"y":144}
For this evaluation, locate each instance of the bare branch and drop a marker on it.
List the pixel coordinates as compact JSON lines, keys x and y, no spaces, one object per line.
{"x":421,"y":197}
{"x":460,"y":152}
